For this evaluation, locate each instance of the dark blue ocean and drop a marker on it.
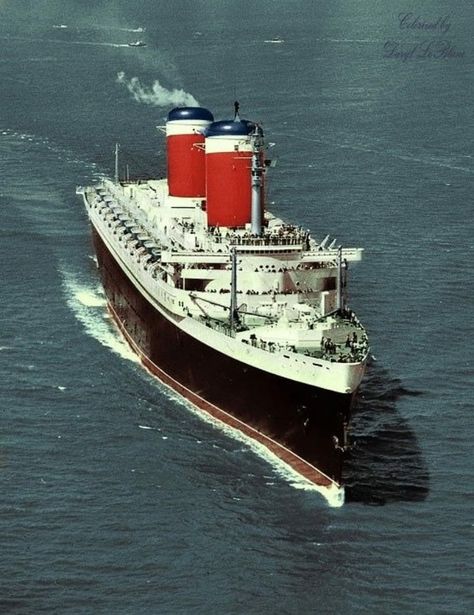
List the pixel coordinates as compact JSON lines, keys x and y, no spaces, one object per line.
{"x":115,"y":498}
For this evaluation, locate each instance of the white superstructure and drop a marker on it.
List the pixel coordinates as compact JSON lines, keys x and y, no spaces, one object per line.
{"x":275,"y":301}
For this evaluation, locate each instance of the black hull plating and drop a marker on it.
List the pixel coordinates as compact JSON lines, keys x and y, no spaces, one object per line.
{"x":307,"y":420}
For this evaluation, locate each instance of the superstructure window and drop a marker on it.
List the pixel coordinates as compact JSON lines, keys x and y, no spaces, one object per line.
{"x":329,"y":284}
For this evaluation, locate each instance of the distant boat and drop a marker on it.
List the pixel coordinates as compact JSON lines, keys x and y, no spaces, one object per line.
{"x":274,"y":40}
{"x":140,"y":29}
{"x":61,"y":26}
{"x":137,"y":44}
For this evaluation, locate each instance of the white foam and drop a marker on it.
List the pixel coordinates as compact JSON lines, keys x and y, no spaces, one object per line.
{"x":148,"y":427}
{"x":140,"y":29}
{"x":88,"y":305}
{"x":90,"y":299}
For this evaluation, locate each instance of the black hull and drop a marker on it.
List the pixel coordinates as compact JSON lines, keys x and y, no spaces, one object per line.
{"x":301,"y":424}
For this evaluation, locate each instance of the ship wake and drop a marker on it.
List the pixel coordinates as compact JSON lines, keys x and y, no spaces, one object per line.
{"x":87,"y":302}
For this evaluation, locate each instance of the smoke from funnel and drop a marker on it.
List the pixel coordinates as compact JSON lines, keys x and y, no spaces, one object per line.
{"x":156,"y":95}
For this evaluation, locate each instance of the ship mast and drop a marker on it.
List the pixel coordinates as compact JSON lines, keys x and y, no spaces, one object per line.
{"x":340,"y":300}
{"x":117,"y":163}
{"x":233,"y":315}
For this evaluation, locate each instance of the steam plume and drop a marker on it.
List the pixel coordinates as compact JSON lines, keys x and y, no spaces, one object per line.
{"x":156,"y":95}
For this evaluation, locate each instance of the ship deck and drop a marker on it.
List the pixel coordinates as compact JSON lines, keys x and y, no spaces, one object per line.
{"x":346,"y":344}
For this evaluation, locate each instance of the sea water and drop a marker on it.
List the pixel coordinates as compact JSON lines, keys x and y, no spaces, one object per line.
{"x":115,"y":497}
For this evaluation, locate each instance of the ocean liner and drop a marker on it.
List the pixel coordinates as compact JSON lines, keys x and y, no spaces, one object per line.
{"x":242,"y":313}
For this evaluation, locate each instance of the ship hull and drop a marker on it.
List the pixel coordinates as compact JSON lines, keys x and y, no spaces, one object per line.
{"x":304,"y":426}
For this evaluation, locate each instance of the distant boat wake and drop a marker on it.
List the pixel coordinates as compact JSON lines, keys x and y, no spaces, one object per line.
{"x":57,"y":41}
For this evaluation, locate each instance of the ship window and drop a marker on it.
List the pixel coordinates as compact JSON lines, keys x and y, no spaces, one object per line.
{"x":329,"y":284}
{"x":195,"y":284}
